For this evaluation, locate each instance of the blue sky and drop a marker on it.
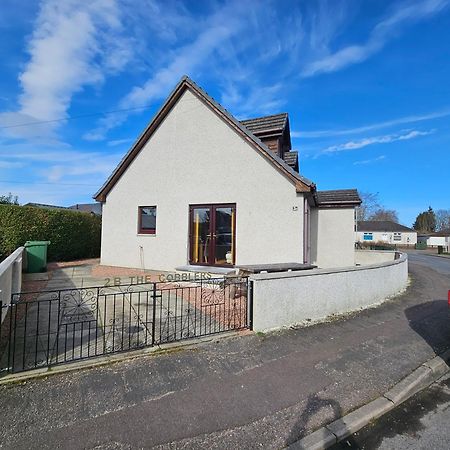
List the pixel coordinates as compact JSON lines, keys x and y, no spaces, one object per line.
{"x":366,"y":85}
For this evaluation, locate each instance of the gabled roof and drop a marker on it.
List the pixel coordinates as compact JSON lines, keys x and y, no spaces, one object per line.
{"x":268,"y":125}
{"x":94,"y":208}
{"x":442,"y":233}
{"x":337,"y":198}
{"x":383,"y":226}
{"x":301,"y":184}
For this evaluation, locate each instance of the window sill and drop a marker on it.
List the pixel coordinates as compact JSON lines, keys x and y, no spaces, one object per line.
{"x":146,"y":234}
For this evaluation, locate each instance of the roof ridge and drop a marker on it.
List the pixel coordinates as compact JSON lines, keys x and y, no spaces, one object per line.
{"x":283,"y":114}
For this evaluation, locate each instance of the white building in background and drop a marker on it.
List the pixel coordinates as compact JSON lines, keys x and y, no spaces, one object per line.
{"x":385,"y":232}
{"x":436,"y":239}
{"x":199,"y":189}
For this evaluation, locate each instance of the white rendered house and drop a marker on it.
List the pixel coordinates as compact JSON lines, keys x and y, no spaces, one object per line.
{"x":385,"y":231}
{"x":439,"y":238}
{"x":200,"y":188}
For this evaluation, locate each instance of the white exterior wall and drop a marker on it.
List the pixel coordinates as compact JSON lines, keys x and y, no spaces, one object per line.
{"x":291,"y":298}
{"x":11,"y":277}
{"x":332,"y":237}
{"x":194,"y":157}
{"x":407,"y":238}
{"x":434,"y":241}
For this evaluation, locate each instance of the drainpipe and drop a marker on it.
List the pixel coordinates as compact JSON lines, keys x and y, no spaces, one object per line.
{"x":306,"y":231}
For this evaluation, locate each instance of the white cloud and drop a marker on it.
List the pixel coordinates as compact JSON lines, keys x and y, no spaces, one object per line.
{"x":386,"y":139}
{"x":256,"y":100}
{"x":67,"y":165}
{"x":403,"y":14}
{"x":88,"y":165}
{"x":369,"y":161}
{"x":217,"y":28}
{"x":116,"y":142}
{"x":236,"y":42}
{"x":372,"y":127}
{"x":75,"y":45}
{"x":10,"y":164}
{"x":72,"y":46}
{"x":60,"y":194}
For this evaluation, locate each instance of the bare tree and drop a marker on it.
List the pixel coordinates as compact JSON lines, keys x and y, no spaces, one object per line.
{"x":384,"y":214}
{"x":9,"y":199}
{"x":370,"y":204}
{"x":442,"y":219}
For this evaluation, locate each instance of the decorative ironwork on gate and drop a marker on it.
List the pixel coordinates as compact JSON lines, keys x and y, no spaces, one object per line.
{"x":46,"y":328}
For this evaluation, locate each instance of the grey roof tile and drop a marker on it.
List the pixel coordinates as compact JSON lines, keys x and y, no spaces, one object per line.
{"x":267,"y":124}
{"x":291,"y":159}
{"x":382,"y":226}
{"x":337,"y":197}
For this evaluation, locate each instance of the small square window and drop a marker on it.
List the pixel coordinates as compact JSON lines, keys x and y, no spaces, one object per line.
{"x":397,"y":236}
{"x":147,"y":220}
{"x":368,"y":236}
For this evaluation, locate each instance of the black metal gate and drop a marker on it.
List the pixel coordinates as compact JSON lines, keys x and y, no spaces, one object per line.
{"x":53,"y":327}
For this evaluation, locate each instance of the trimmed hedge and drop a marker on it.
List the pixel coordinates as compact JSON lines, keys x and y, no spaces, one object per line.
{"x":73,"y":235}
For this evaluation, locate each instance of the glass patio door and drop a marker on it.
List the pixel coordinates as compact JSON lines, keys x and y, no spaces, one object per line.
{"x":212,"y":234}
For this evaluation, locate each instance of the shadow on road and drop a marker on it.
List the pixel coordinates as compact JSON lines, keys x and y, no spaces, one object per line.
{"x":313,"y":406}
{"x":431,"y":321}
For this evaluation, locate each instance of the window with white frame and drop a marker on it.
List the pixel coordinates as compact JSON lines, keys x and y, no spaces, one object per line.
{"x":397,"y":236}
{"x":368,"y":236}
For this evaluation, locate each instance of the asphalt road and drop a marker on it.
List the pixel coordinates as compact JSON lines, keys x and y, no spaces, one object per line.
{"x":244,"y":392}
{"x":422,"y":422}
{"x":438,"y":263}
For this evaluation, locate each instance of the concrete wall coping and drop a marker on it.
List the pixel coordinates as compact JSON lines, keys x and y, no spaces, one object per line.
{"x":314,"y":272}
{"x":363,"y":250}
{"x":10,"y":278}
{"x":4,"y":265}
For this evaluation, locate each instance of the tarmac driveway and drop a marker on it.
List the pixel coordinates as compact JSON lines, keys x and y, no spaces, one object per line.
{"x":243,"y":392}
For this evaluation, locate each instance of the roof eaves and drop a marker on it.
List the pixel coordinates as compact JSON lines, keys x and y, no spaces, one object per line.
{"x":349,"y":198}
{"x":100,"y":195}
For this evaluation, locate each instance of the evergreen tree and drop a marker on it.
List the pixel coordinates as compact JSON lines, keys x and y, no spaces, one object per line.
{"x":426,"y":221}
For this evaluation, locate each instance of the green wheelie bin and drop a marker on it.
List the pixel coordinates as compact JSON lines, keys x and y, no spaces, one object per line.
{"x":36,"y":256}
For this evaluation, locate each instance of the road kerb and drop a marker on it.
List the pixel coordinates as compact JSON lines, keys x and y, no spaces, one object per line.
{"x":319,"y":440}
{"x":357,"y":419}
{"x":421,"y":378}
{"x":438,"y":365}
